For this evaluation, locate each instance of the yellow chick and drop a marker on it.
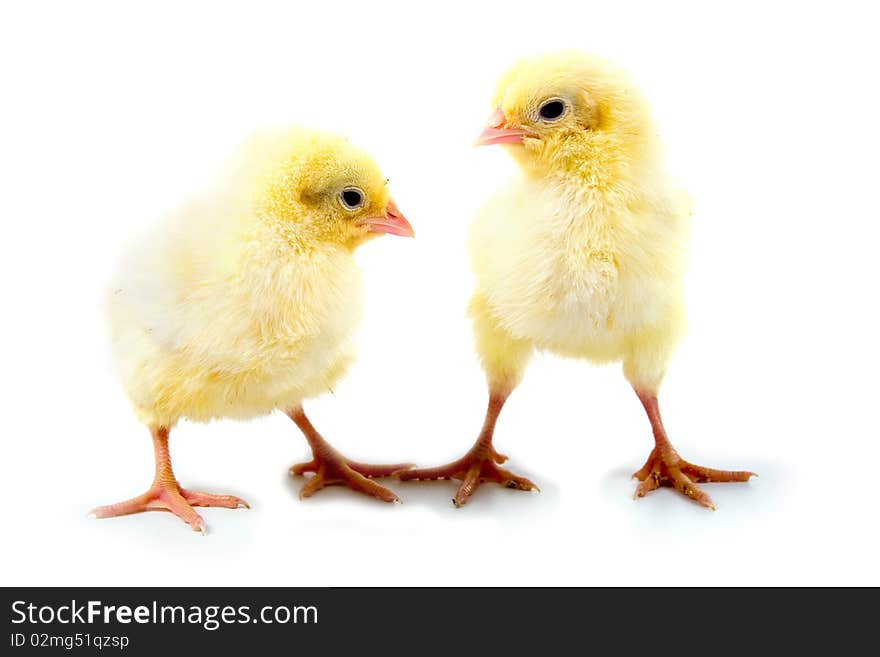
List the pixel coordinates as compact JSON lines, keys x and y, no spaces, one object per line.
{"x":583,"y":256}
{"x":245,"y":301}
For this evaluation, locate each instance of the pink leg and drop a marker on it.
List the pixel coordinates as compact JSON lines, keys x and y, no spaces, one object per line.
{"x":166,"y":494}
{"x":479,"y":465}
{"x":332,"y":468}
{"x":665,"y":467}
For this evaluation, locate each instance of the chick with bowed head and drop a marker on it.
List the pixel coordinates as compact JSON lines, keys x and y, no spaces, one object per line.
{"x":245,"y":301}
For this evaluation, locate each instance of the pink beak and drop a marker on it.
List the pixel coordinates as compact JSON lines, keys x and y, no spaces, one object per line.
{"x":392,"y":222}
{"x":497,"y":132}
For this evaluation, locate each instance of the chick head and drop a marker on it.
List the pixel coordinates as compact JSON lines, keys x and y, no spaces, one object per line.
{"x":317,"y":187}
{"x":556,"y":112}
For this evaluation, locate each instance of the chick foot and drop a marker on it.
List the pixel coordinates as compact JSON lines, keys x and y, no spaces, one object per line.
{"x":169,"y":496}
{"x":665,"y":467}
{"x":477,"y":466}
{"x":166,"y":494}
{"x":332,"y":468}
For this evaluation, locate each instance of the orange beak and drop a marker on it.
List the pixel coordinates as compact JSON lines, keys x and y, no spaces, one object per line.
{"x":392,"y":222}
{"x":497,"y":131}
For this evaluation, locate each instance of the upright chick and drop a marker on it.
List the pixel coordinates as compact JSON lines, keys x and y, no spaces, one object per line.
{"x":583,"y":256}
{"x":245,"y":301}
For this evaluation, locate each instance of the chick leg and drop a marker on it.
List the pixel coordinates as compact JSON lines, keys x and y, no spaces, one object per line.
{"x":478,"y":465}
{"x":331,"y":467}
{"x":665,"y":467}
{"x":166,"y":494}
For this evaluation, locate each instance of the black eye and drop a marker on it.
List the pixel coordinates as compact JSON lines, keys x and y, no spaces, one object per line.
{"x":552,"y":109}
{"x":352,"y":198}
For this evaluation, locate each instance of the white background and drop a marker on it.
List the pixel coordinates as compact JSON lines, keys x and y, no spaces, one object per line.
{"x":112,"y":114}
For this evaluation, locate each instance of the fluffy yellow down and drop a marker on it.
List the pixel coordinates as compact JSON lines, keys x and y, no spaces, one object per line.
{"x":584,"y":255}
{"x":246,"y":298}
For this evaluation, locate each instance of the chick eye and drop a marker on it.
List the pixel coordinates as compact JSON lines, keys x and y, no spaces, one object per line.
{"x":352,"y":198}
{"x":552,"y":109}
